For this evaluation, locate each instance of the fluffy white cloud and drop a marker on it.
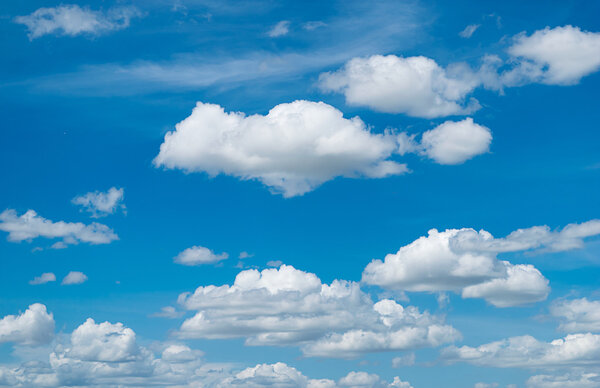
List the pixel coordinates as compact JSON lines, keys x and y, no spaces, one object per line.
{"x":293,"y":149}
{"x":570,"y":380}
{"x":456,"y":142}
{"x":279,"y":29}
{"x":43,"y":278}
{"x":577,"y":315}
{"x":416,"y":86}
{"x":555,"y":56}
{"x":100,"y":204}
{"x":469,"y":30}
{"x":287,"y":306}
{"x":198,"y":255}
{"x":105,"y":342}
{"x":575,"y":350}
{"x":73,"y":20}
{"x":35,"y":326}
{"x":74,"y":277}
{"x":29,"y":226}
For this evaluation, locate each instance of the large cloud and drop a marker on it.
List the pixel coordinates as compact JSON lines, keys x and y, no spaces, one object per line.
{"x":35,"y":326}
{"x":293,"y":149}
{"x":416,"y":86}
{"x":30,"y":225}
{"x":287,"y":306}
{"x":555,"y":56}
{"x":73,"y":20}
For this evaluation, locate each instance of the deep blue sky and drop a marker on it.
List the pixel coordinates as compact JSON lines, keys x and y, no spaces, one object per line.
{"x":72,"y":123}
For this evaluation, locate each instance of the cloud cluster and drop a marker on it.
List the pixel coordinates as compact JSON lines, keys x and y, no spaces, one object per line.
{"x":198,"y":255}
{"x":72,"y":20}
{"x":286,"y":306}
{"x":101,"y":204}
{"x":298,"y":146}
{"x":574,"y":350}
{"x":419,"y":87}
{"x":35,"y":326}
{"x":30,"y":226}
{"x":293,"y":149}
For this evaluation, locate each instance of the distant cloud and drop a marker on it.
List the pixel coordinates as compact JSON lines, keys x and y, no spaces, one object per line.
{"x":74,"y":277}
{"x":30,"y":226}
{"x":72,"y":20}
{"x":577,"y":315}
{"x":198,"y":255}
{"x":43,"y":278}
{"x":309,"y":26}
{"x":35,"y":326}
{"x":168,"y":312}
{"x":274,"y":263}
{"x":554,"y":56}
{"x":469,"y":30}
{"x":280,"y":29}
{"x":416,"y":86}
{"x":101,"y":204}
{"x":245,"y":255}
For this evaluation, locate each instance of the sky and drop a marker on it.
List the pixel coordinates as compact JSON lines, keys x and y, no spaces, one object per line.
{"x":203,"y":193}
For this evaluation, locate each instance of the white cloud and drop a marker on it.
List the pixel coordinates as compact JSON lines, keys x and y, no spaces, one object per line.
{"x":416,"y":86}
{"x":35,"y":326}
{"x":456,"y":142}
{"x":313,"y":25}
{"x":569,"y":380}
{"x":293,"y":149}
{"x":198,"y":255}
{"x":72,"y":20}
{"x":469,"y":31}
{"x":280,"y":29}
{"x":29,"y":226}
{"x":574,"y":350}
{"x":286,"y":306}
{"x":554,"y":56}
{"x":43,"y":278}
{"x":359,"y":379}
{"x":104,"y":342}
{"x":274,"y":263}
{"x":74,"y":277}
{"x":577,"y":315}
{"x":100,"y":204}
{"x":168,"y":312}
{"x":406,"y":360}
{"x":245,"y":255}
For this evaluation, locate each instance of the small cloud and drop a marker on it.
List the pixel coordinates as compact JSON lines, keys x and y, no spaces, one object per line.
{"x":101,"y":204}
{"x":43,"y":278}
{"x":406,"y":360}
{"x":280,"y":29}
{"x":274,"y":263}
{"x":74,"y":277}
{"x":443,"y":299}
{"x":198,"y":255}
{"x":469,"y":31}
{"x":58,"y":245}
{"x":309,"y":26}
{"x":245,"y":255}
{"x":168,"y":312}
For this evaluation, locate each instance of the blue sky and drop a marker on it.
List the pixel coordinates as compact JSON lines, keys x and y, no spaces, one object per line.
{"x":296,"y":156}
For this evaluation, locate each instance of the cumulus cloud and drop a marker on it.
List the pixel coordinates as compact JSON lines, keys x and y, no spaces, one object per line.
{"x":72,"y":20}
{"x":101,"y":204}
{"x":43,"y":278}
{"x":293,"y":149}
{"x":574,"y":350}
{"x":416,"y":86}
{"x":554,"y":56}
{"x":198,"y":255}
{"x":30,"y":226}
{"x":35,"y":326}
{"x":74,"y":277}
{"x":469,"y":31}
{"x":577,"y":315}
{"x":280,"y":29}
{"x":286,"y":306}
{"x":465,"y":260}
{"x":569,"y":380}
{"x":456,"y":142}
